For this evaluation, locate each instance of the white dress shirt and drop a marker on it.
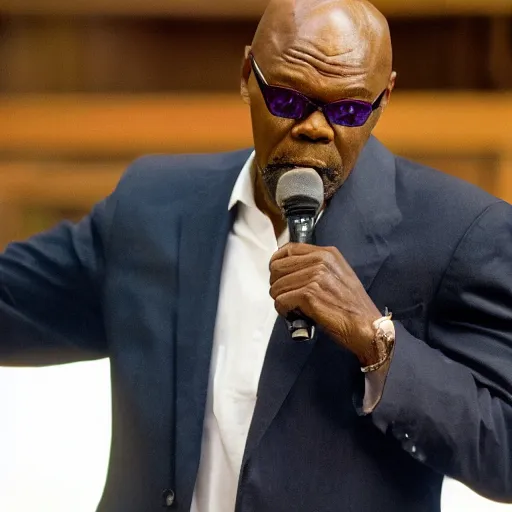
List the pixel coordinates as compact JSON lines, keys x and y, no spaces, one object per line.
{"x":245,"y":320}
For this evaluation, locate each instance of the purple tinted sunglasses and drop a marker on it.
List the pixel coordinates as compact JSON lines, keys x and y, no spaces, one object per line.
{"x":290,"y":104}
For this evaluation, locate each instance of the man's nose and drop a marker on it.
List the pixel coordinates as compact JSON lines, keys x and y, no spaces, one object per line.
{"x":314,"y":128}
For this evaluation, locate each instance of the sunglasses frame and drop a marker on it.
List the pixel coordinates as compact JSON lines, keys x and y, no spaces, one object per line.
{"x":314,"y":105}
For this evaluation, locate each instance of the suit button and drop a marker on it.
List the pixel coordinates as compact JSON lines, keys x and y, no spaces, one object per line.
{"x":169,"y":498}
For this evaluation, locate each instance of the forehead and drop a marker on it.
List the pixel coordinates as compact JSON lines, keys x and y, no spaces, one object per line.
{"x":327,"y":53}
{"x":324,"y":78}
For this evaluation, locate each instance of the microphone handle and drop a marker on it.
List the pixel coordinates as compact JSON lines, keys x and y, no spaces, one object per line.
{"x":302,"y":230}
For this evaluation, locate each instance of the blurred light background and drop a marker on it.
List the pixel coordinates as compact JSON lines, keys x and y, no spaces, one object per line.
{"x":88,"y":85}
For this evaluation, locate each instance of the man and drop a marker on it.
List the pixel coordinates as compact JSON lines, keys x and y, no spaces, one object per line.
{"x":214,"y":407}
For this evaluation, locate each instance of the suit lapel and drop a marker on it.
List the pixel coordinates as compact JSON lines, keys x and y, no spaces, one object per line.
{"x":204,"y":228}
{"x":357,"y":221}
{"x":363,"y":213}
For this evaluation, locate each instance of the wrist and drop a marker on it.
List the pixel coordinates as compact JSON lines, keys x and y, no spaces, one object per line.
{"x":368,"y":353}
{"x":382,"y":344}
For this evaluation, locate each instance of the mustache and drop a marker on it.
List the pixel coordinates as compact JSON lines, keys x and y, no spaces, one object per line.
{"x":274,"y":168}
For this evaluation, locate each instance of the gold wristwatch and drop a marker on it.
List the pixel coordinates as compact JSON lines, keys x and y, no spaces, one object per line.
{"x":383,"y":341}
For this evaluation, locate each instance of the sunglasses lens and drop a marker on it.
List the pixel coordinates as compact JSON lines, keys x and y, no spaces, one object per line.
{"x":285,"y":103}
{"x":348,"y":113}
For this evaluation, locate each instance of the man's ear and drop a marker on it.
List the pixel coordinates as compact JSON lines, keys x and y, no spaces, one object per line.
{"x":391,"y":86}
{"x":246,"y":73}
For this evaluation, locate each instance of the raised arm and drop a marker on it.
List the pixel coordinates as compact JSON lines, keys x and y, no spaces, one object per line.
{"x":51,"y":294}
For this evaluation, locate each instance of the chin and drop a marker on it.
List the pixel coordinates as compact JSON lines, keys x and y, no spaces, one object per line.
{"x":333,"y":183}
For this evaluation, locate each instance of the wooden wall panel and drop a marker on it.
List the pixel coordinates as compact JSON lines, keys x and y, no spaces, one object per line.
{"x":34,"y":196}
{"x":12,"y":226}
{"x":423,"y":123}
{"x":81,"y":125}
{"x":61,"y":154}
{"x":237,"y":9}
{"x":481,"y":170}
{"x":60,"y":186}
{"x":61,"y":54}
{"x":504,"y":184}
{"x":45,"y":54}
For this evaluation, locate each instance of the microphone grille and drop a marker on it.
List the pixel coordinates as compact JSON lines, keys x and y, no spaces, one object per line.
{"x":300,"y":183}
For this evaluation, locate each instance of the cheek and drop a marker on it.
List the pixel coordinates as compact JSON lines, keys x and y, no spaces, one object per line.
{"x":350,"y":142}
{"x":268,"y":130}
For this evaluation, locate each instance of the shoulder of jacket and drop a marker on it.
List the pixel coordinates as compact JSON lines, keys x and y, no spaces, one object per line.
{"x":175,"y":172}
{"x":430,"y":190}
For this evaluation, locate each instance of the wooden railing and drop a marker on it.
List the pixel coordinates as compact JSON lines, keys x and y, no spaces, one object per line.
{"x":63,"y":153}
{"x":433,"y":122}
{"x":232,"y":8}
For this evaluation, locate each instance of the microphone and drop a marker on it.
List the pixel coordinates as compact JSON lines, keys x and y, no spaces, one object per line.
{"x":300,"y":195}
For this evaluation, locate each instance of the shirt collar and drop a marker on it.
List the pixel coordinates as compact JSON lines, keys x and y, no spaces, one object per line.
{"x":243,"y":191}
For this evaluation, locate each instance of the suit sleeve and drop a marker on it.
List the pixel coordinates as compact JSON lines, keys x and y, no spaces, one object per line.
{"x":448,"y":400}
{"x":51,"y":294}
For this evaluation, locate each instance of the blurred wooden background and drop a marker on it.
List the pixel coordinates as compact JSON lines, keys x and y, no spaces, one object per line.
{"x":88,"y":85}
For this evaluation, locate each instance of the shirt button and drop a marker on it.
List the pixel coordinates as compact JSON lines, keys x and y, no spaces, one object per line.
{"x":169,"y":498}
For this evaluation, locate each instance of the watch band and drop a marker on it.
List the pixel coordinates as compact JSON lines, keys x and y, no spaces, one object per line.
{"x":383,"y":341}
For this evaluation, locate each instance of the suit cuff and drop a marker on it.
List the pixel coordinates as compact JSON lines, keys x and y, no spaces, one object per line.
{"x":374,"y":384}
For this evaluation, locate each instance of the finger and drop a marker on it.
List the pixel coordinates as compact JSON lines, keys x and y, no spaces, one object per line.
{"x":293,"y":249}
{"x":296,"y":280}
{"x":324,"y":313}
{"x":281,"y":253}
{"x":301,"y":249}
{"x":322,"y":258}
{"x":293,"y":264}
{"x":303,"y":299}
{"x":288,"y":302}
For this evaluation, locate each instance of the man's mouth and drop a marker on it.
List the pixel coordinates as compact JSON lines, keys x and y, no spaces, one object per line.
{"x":288,"y":166}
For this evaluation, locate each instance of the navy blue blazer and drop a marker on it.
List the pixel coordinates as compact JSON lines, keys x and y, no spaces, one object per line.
{"x":138,"y":281}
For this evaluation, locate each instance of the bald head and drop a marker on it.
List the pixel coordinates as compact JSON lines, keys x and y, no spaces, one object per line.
{"x":336,"y":54}
{"x":329,"y":33}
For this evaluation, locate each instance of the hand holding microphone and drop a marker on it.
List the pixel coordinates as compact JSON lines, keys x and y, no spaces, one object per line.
{"x":315,"y":285}
{"x":300,"y":195}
